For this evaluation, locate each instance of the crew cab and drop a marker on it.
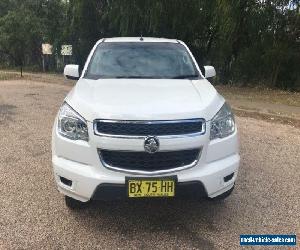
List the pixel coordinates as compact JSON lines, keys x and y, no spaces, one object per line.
{"x":143,"y":121}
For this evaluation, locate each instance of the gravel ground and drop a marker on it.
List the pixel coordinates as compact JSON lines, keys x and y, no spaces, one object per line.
{"x":33,"y":214}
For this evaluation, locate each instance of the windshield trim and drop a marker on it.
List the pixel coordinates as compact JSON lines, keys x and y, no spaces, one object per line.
{"x":94,"y":77}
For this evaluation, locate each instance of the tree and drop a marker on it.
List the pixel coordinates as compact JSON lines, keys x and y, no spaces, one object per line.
{"x":19,"y":33}
{"x":248,"y":41}
{"x":84,"y":27}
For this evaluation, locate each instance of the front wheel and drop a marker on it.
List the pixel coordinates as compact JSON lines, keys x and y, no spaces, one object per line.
{"x":75,"y":204}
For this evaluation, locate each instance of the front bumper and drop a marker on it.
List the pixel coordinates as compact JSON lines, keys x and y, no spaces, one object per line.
{"x":85,"y":179}
{"x":79,"y":162}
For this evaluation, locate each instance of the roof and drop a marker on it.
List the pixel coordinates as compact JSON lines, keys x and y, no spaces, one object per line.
{"x":138,"y":39}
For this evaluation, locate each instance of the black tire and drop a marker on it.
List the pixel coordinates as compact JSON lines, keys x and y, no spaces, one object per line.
{"x":75,"y":204}
{"x":222,"y":196}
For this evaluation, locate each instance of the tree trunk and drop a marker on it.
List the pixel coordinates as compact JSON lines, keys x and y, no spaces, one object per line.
{"x":275,"y":74}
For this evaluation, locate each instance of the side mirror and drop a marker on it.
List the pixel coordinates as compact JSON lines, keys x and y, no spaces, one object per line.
{"x":71,"y":71}
{"x":209,"y":71}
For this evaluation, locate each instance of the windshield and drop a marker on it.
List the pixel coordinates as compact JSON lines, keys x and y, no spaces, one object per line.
{"x":141,"y":60}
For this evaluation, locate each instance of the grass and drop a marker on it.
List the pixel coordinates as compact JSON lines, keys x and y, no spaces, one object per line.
{"x":40,"y":77}
{"x":6,"y":75}
{"x":260,"y":94}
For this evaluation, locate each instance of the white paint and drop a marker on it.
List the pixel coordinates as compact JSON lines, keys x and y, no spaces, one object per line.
{"x":142,"y":99}
{"x":71,"y":71}
{"x":209,"y":71}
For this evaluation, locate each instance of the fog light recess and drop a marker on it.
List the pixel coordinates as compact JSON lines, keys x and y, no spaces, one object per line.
{"x":228,"y":177}
{"x":65,"y":181}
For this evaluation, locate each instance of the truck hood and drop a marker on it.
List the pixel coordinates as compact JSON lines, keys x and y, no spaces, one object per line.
{"x":144,"y":99}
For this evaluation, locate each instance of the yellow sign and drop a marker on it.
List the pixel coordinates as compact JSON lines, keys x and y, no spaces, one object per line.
{"x":151,"y":188}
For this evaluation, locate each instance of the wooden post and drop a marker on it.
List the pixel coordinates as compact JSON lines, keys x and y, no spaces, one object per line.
{"x":43,"y":63}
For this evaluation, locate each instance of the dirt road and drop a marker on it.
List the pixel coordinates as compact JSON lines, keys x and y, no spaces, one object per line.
{"x":33,"y":214}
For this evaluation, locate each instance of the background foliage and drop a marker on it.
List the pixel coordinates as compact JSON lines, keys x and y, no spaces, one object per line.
{"x":248,"y":41}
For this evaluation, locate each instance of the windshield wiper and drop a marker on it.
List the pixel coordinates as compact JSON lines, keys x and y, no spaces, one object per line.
{"x":185,"y":76}
{"x":135,"y":77}
{"x":97,"y":77}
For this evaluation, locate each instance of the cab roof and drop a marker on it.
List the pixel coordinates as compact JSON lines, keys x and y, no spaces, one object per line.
{"x":140,"y":39}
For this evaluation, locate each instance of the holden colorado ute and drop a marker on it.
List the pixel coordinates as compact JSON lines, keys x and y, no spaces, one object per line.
{"x":143,"y":121}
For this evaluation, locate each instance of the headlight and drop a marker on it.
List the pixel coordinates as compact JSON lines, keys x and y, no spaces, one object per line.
{"x":71,"y":124}
{"x":223,"y":123}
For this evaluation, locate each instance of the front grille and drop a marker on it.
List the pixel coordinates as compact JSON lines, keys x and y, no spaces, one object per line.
{"x":143,"y":161}
{"x":154,"y":128}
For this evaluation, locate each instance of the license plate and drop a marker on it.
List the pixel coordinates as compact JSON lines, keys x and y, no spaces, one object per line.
{"x":149,"y":187}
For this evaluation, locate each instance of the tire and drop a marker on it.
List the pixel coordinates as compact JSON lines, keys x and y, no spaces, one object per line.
{"x":222,"y":196}
{"x":75,"y":204}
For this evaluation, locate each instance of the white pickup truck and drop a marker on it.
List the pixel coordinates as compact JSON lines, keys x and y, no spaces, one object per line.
{"x":143,"y":121}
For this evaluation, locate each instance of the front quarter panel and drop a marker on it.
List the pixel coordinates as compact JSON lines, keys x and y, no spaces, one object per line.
{"x":212,"y":101}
